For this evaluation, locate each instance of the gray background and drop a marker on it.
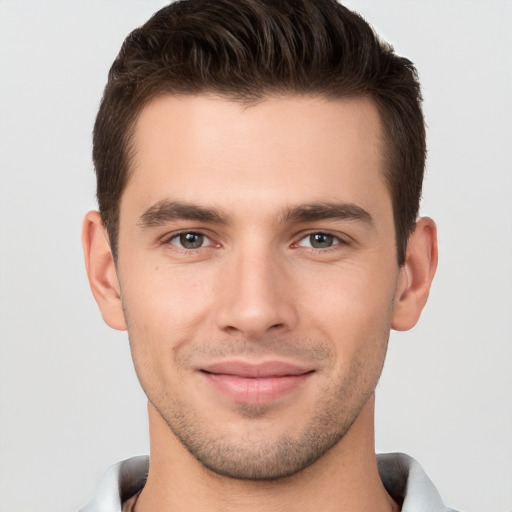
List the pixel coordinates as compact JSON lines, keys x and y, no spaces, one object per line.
{"x":69,"y":401}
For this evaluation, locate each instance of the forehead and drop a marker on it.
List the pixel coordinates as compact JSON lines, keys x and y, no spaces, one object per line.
{"x":284,"y":149}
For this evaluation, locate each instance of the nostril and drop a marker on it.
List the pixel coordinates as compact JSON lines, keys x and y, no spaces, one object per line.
{"x":231,"y":330}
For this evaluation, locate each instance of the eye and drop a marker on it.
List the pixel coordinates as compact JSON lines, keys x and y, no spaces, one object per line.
{"x":190,"y":240}
{"x":319,"y":241}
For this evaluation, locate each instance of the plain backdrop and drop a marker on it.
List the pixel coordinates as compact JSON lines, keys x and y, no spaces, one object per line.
{"x":70,"y":404}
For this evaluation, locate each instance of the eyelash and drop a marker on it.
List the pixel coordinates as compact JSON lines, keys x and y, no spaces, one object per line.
{"x":337,"y":242}
{"x":169,"y":239}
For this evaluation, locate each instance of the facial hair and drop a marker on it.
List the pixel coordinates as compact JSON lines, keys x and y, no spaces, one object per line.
{"x":258,"y":455}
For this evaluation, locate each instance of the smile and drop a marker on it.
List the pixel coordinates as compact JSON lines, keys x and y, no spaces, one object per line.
{"x":255,"y":384}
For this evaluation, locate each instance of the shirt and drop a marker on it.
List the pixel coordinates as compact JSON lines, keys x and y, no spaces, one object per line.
{"x":402,"y":476}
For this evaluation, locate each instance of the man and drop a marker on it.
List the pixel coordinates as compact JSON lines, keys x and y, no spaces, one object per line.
{"x":259,"y":168}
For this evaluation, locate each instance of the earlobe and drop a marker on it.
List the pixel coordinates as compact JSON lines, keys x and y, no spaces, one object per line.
{"x":415,"y":275}
{"x":101,"y":271}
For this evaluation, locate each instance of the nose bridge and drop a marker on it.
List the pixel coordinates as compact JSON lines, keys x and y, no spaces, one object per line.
{"x":254,"y":294}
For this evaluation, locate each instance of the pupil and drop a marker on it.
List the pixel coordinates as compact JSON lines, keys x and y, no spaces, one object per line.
{"x":191,"y":240}
{"x":321,"y":240}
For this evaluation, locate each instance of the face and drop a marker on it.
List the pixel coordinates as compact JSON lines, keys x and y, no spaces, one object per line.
{"x":258,"y":274}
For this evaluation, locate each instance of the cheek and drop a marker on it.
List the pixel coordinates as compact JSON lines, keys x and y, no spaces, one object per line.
{"x":353,"y":311}
{"x":164,"y":311}
{"x":165,"y":299}
{"x":350,"y":297}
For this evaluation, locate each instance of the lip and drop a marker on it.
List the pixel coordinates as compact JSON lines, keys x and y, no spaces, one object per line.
{"x":255,"y":383}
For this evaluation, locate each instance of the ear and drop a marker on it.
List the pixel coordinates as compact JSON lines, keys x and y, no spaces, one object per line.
{"x":415,"y":275}
{"x":101,"y":271}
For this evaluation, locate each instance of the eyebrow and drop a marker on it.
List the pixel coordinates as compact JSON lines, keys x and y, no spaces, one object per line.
{"x":326,"y":211}
{"x":167,"y":211}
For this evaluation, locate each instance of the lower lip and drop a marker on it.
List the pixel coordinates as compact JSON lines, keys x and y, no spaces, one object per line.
{"x":255,"y":390}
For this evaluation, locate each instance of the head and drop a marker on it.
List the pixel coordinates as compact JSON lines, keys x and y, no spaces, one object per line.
{"x":245,"y":51}
{"x":259,"y":171}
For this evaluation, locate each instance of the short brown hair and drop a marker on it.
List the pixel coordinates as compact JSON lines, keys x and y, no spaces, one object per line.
{"x":246,"y":49}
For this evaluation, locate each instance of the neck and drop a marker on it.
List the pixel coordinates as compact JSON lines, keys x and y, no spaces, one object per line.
{"x":345,"y":478}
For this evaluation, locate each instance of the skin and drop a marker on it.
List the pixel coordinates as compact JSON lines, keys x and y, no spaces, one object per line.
{"x":222,"y":258}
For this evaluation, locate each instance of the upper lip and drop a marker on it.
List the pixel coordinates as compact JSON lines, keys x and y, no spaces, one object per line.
{"x":264,"y":369}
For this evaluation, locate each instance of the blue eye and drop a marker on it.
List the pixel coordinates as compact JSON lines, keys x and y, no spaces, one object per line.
{"x":189,"y":240}
{"x":319,"y":241}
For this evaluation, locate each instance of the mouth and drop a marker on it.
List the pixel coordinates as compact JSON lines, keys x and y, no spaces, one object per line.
{"x":255,"y":383}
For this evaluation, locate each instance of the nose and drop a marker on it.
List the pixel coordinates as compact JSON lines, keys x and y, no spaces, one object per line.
{"x":256,"y":296}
